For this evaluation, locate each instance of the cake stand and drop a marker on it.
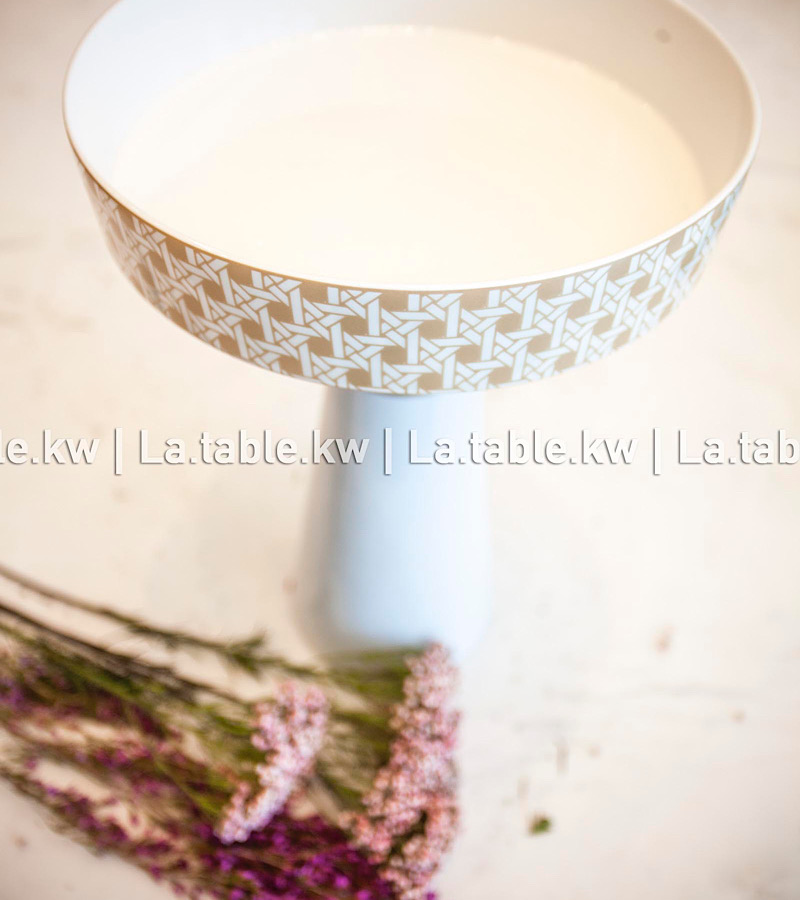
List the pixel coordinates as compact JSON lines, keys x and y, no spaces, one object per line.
{"x":396,"y":558}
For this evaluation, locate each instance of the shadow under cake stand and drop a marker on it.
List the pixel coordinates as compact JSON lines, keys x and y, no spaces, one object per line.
{"x":403,"y":558}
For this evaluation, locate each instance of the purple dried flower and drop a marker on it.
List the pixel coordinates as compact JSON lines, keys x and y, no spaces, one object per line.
{"x":290,"y":731}
{"x":410,"y":814}
{"x":316,"y":858}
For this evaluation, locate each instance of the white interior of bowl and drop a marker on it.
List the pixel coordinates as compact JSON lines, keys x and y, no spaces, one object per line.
{"x":141,"y":48}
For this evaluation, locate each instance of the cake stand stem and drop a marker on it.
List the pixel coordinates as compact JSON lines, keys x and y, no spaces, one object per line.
{"x":402,"y":558}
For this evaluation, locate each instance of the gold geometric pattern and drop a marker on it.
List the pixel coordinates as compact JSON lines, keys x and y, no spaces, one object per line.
{"x":404,"y":342}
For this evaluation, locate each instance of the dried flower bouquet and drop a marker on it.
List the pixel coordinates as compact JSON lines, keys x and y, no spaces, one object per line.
{"x":339,"y":783}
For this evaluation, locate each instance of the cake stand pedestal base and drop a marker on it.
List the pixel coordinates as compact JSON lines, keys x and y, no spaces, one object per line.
{"x":398,"y":547}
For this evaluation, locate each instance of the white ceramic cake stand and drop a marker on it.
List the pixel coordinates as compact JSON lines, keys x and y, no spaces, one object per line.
{"x":393,"y":560}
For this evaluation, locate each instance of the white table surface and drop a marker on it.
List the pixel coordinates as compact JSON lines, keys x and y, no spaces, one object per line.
{"x":641,"y":682}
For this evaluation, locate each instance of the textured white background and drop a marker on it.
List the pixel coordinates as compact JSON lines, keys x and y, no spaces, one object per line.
{"x":641,"y":683}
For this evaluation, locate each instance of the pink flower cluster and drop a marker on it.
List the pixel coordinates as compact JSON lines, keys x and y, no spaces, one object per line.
{"x":410,"y":814}
{"x":289,"y":730}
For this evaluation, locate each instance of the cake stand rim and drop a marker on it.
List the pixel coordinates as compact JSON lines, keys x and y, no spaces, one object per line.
{"x":729,"y":187}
